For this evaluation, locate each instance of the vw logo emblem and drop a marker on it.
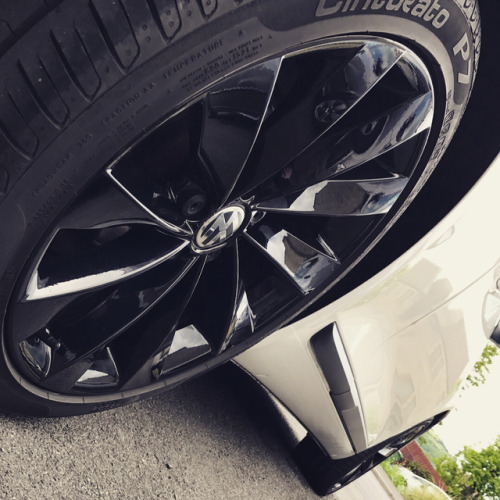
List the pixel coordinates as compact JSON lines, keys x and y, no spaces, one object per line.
{"x":219,"y":228}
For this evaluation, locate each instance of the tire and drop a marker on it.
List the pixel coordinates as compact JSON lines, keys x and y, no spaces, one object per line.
{"x":97,"y":97}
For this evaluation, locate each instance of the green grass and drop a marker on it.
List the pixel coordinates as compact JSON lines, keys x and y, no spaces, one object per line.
{"x":413,"y":493}
{"x":394,"y":475}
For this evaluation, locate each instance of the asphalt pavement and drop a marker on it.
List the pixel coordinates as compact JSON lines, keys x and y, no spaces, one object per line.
{"x":208,"y":439}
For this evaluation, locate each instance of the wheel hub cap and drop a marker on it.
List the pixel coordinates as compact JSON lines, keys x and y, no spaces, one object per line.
{"x":219,"y":229}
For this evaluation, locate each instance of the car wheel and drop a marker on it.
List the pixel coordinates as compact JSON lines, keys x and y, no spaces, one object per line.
{"x":179,"y":179}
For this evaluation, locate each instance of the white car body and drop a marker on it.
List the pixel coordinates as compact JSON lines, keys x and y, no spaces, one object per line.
{"x":419,"y":484}
{"x":405,"y":338}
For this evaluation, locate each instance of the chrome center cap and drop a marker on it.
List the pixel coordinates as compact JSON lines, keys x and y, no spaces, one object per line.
{"x":219,"y":228}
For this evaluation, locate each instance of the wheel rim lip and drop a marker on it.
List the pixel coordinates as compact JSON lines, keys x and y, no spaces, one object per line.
{"x":232,"y":351}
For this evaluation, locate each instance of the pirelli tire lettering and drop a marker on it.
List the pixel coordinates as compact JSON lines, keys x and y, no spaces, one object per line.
{"x":462,"y":49}
{"x":455,"y":23}
{"x":428,"y":10}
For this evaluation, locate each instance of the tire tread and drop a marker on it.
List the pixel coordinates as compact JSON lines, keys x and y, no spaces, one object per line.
{"x":20,"y":92}
{"x":18,"y":134}
{"x":100,"y":42}
{"x":116,"y":31}
{"x":41,"y":98}
{"x":16,"y":18}
{"x":167,"y":17}
{"x":76,"y":64}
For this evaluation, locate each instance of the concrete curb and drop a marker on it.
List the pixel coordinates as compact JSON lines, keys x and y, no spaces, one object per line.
{"x":388,"y":485}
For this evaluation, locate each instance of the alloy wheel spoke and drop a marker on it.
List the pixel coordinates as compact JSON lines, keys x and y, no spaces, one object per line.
{"x":62,"y":271}
{"x":264,"y":289}
{"x":242,"y":324}
{"x":332,"y":156}
{"x":65,"y":377}
{"x":337,"y":90}
{"x":102,"y":373}
{"x":87,"y":326}
{"x":304,"y":265}
{"x":340,"y":198}
{"x":215,"y":300}
{"x":119,"y":310}
{"x":233,"y":114}
{"x":388,"y":131}
{"x":30,"y":317}
{"x":103,"y":206}
{"x":149,"y":342}
{"x":131,"y":181}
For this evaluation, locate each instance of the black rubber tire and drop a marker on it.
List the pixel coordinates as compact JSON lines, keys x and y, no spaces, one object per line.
{"x":79,"y":81}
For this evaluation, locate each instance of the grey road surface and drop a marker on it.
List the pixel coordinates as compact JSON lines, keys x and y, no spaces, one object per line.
{"x":205,"y":440}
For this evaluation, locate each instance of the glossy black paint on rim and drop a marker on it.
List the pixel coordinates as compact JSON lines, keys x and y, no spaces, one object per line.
{"x":230,"y":217}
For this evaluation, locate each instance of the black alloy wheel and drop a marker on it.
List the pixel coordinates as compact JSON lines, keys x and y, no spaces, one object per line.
{"x":223,"y":222}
